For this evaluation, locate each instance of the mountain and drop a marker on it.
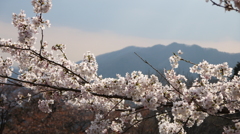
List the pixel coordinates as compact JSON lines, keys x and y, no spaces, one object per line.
{"x":124,"y":60}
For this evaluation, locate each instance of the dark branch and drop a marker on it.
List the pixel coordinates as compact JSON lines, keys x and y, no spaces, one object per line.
{"x":228,"y":6}
{"x":50,"y":61}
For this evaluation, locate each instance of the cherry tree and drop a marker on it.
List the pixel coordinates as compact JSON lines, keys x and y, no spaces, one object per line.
{"x":78,"y":85}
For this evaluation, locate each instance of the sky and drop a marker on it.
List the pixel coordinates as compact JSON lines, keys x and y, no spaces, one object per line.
{"x":102,"y":26}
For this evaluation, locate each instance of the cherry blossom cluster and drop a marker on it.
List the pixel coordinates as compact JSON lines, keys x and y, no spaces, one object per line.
{"x":176,"y":81}
{"x":37,"y":21}
{"x":5,"y":69}
{"x":59,"y":47}
{"x":183,"y":112}
{"x":166,"y":127}
{"x":101,"y":125}
{"x":133,"y":86}
{"x":41,"y":6}
{"x":44,"y":105}
{"x":232,"y":130}
{"x":132,"y":117}
{"x":79,"y":85}
{"x":26,"y":30}
{"x":206,"y":70}
{"x":175,"y":59}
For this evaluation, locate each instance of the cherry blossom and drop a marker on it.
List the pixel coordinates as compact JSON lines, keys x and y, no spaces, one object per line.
{"x":41,"y":6}
{"x":78,"y":85}
{"x":44,"y":105}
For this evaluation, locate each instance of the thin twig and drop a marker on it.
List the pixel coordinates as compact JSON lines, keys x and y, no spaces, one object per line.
{"x":111,"y":96}
{"x":130,"y":110}
{"x":64,"y":55}
{"x":41,"y":43}
{"x":158,"y":73}
{"x":184,"y":124}
{"x":146,"y":118}
{"x":188,"y":61}
{"x":113,"y":108}
{"x":202,"y":109}
{"x":42,"y":85}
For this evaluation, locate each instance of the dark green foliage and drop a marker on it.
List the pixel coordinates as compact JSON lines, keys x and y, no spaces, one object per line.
{"x":236,"y":69}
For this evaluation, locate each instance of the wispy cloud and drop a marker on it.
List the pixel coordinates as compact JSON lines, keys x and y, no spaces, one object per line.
{"x":78,"y":41}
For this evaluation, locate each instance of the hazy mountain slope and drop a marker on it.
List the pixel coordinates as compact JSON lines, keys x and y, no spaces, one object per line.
{"x":124,"y":60}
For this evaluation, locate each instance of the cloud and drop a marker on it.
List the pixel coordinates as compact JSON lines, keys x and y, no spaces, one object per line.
{"x":79,"y":41}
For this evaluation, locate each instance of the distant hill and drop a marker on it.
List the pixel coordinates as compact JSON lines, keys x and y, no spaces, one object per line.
{"x":124,"y":60}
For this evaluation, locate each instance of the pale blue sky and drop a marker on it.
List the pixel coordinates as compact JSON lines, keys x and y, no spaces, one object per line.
{"x":107,"y":25}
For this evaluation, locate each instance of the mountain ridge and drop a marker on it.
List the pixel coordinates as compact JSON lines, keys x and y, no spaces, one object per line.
{"x":124,"y":60}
